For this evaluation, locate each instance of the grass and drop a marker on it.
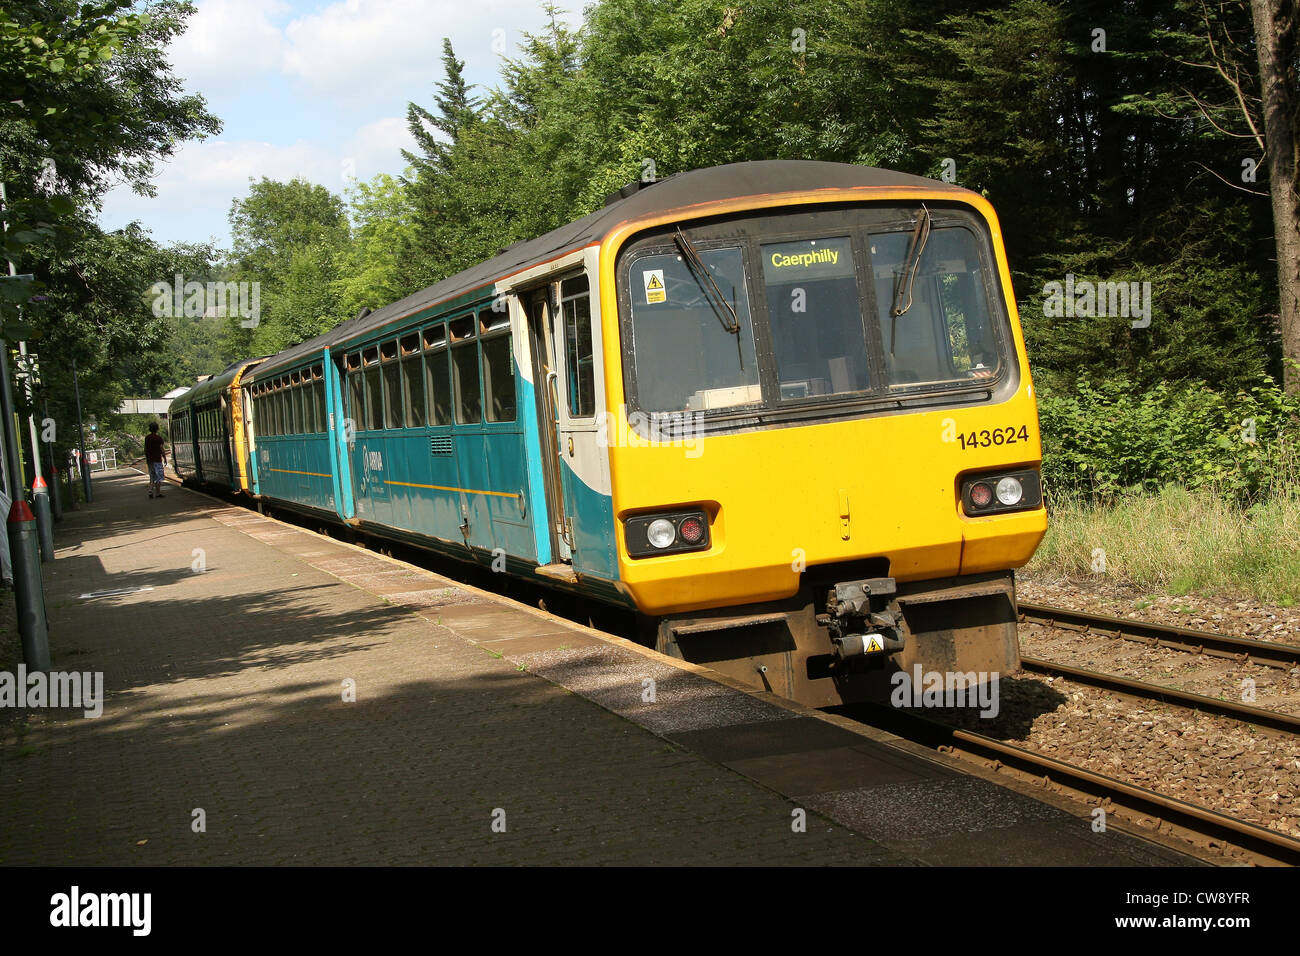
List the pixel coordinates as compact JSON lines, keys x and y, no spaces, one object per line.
{"x":1179,"y":542}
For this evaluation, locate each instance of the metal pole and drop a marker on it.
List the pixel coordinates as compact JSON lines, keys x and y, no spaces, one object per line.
{"x":12,"y":464}
{"x":56,"y":491}
{"x":28,"y":594}
{"x":29,"y":597}
{"x":81,"y":434}
{"x":40,"y":492}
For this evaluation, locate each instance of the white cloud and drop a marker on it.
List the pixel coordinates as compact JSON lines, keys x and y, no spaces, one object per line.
{"x":229,"y":44}
{"x":196,"y":187}
{"x":377,"y":147}
{"x":389,"y":49}
{"x":353,"y":63}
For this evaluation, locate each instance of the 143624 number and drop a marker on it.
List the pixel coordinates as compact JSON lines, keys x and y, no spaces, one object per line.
{"x":994,"y":436}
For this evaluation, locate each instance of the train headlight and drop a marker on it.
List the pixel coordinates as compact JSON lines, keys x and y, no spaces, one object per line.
{"x":995,"y":492}
{"x":661,"y":533}
{"x":666,"y":533}
{"x":1010,"y":491}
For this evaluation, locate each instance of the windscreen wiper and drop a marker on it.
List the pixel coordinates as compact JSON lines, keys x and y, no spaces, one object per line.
{"x":904,"y":280}
{"x":730,"y":321}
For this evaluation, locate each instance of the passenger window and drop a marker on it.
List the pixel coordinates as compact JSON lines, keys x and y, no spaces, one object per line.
{"x":357,"y":400}
{"x":464,"y":359}
{"x":439,"y":387}
{"x":322,"y":417}
{"x":392,"y":395}
{"x":374,"y":400}
{"x":499,"y":379}
{"x":576,"y":305}
{"x":413,"y":390}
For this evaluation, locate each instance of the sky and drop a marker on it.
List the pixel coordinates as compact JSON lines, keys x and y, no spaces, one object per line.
{"x":315,"y":89}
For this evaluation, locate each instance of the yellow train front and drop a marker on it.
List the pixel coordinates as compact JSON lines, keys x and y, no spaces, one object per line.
{"x":823,"y":447}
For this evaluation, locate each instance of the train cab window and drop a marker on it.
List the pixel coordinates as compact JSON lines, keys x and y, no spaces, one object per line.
{"x":575,"y":303}
{"x":498,"y":379}
{"x":693,"y":352}
{"x":438,"y":385}
{"x":945,"y":332}
{"x":816,"y":317}
{"x":469,"y":403}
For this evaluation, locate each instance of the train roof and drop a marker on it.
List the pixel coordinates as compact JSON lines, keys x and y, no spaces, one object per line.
{"x":674,"y":192}
{"x":213,"y":384}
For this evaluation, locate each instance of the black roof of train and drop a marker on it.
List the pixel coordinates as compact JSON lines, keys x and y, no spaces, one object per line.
{"x":673,"y":192}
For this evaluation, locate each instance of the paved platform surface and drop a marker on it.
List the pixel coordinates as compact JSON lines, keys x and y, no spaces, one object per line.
{"x":481,"y":732}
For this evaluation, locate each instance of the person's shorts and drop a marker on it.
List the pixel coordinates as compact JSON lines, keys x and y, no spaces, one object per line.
{"x":156,"y":471}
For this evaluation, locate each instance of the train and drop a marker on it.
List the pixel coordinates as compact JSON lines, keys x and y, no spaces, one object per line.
{"x":780,"y":411}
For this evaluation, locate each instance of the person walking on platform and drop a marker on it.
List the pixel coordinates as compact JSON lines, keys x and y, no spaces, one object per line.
{"x":155,"y":456}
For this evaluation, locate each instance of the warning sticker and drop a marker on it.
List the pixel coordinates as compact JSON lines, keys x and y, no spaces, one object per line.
{"x":654,"y":286}
{"x":874,"y":645}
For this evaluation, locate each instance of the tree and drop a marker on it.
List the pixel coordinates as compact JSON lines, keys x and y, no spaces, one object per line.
{"x":369,"y":274}
{"x":1277,"y":42}
{"x":89,"y":99}
{"x":285,"y":237}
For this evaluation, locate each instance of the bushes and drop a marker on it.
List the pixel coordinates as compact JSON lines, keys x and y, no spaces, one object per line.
{"x":1102,"y":438}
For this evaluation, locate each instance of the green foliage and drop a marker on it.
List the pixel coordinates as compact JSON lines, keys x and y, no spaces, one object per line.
{"x":369,"y":274}
{"x":1105,"y":437}
{"x":285,"y":238}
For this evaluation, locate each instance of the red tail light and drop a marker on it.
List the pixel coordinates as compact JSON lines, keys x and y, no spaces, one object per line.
{"x":691,"y":530}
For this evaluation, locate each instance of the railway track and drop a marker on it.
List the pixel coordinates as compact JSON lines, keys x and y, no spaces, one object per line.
{"x":1147,"y":809}
{"x":1200,"y":826}
{"x":1242,"y":649}
{"x":1271,"y":720}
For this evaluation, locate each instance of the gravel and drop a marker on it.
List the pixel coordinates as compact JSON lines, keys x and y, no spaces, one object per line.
{"x":1215,"y":762}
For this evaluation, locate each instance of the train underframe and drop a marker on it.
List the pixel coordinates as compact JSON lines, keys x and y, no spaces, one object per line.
{"x":851,"y":639}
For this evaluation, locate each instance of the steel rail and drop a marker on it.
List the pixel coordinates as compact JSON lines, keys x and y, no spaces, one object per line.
{"x":1244,"y":649}
{"x":1266,"y":844}
{"x":1271,"y":719}
{"x":1201,"y":823}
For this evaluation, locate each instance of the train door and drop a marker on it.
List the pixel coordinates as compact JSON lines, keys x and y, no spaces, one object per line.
{"x":544,"y":345}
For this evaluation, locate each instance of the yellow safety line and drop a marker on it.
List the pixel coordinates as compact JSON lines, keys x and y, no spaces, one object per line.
{"x":468,"y":491}
{"x":288,"y":471}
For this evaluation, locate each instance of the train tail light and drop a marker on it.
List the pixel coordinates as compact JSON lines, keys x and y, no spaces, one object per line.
{"x":672,"y":533}
{"x":1000,"y":492}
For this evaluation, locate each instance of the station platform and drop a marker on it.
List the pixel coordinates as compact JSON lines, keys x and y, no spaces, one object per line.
{"x":479,"y":731}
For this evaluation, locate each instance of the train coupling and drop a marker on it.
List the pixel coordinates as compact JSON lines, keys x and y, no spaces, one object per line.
{"x":863,"y":619}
